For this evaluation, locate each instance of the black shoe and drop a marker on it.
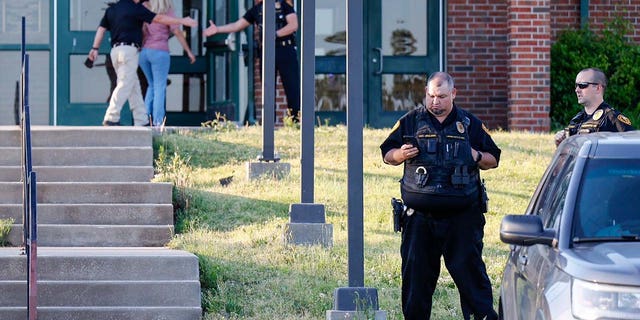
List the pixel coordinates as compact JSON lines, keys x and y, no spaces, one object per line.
{"x":108,"y":123}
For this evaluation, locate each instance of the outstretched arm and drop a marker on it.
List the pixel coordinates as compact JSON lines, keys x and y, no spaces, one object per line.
{"x":239,"y":25}
{"x":168,"y":20}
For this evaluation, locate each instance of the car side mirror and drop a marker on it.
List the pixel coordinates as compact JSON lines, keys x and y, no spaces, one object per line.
{"x":525,"y":230}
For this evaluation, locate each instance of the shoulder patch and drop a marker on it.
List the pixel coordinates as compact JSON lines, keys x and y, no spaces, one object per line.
{"x":485,"y":129}
{"x":624,"y":119}
{"x":395,"y":126}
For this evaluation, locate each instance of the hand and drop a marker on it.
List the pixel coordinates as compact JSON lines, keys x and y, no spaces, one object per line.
{"x":93,"y":54}
{"x":559,"y":137}
{"x":189,"y":22}
{"x":408,"y":151}
{"x":211,"y":30}
{"x":192,"y":58}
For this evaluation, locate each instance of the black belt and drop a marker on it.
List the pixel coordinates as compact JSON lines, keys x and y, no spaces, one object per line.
{"x":285,"y":43}
{"x":133,"y":44}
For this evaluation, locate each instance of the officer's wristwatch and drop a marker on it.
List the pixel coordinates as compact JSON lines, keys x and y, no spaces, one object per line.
{"x":478,"y":157}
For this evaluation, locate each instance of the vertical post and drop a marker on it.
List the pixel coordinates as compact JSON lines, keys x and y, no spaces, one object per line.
{"x":355,"y":101}
{"x":356,"y":298}
{"x":268,"y":80}
{"x":307,"y":220}
{"x":307,"y":100}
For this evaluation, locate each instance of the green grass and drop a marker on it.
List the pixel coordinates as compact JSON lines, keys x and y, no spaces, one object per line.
{"x":237,"y":230}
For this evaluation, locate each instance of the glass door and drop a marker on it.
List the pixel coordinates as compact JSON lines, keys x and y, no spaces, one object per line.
{"x":403,"y":47}
{"x":83,"y":92}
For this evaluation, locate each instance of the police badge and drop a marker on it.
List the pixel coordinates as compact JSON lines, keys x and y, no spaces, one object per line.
{"x":460,"y":127}
{"x":597,"y":115}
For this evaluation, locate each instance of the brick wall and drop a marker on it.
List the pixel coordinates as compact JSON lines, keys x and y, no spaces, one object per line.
{"x":476,"y":57}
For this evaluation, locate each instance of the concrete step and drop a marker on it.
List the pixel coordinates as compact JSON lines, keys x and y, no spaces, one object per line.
{"x":97,"y":214}
{"x":83,"y":235}
{"x":66,"y":136}
{"x":105,"y":313}
{"x":103,"y":283}
{"x":80,"y":156}
{"x":90,"y":192}
{"x":81,"y":173}
{"x":101,"y":264}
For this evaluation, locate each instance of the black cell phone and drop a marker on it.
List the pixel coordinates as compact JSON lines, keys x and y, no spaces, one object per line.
{"x":88,"y":63}
{"x":410,"y":140}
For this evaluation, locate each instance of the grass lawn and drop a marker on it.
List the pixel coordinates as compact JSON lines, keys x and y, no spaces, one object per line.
{"x":237,"y":229}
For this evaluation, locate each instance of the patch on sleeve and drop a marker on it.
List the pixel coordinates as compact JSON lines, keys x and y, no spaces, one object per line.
{"x":395,"y":126}
{"x":624,"y":119}
{"x":485,"y":129}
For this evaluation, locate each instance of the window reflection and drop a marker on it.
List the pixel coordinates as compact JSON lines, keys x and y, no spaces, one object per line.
{"x":330,"y":28}
{"x":331,"y":92}
{"x":401,"y":92}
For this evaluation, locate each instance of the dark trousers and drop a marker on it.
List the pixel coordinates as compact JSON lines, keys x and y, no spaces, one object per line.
{"x":287,"y":67}
{"x":458,"y":239}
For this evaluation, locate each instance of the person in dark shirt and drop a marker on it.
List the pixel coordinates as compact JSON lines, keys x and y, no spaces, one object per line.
{"x":597,"y":115}
{"x":286,"y":54}
{"x":443,"y":148}
{"x":124,"y":20}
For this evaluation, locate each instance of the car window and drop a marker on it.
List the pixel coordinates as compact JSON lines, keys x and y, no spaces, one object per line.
{"x":608,"y":204}
{"x":550,"y":203}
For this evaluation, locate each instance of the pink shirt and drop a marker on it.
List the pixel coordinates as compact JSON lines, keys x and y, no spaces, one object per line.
{"x":156,"y":35}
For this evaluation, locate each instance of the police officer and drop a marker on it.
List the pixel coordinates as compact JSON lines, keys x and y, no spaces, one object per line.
{"x":442,"y":147}
{"x":124,"y":20}
{"x":597,"y":115}
{"x":286,"y":54}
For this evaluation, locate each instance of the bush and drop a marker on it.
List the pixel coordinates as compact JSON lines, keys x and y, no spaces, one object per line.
{"x":612,"y":52}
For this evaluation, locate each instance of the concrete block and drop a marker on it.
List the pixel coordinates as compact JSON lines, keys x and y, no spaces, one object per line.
{"x":306,"y":213}
{"x":309,"y":234}
{"x":274,"y":170}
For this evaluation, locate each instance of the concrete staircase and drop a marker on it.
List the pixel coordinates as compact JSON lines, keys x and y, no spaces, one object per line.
{"x":102,"y":227}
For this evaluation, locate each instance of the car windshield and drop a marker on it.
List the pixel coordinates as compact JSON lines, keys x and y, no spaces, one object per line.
{"x":608,"y":203}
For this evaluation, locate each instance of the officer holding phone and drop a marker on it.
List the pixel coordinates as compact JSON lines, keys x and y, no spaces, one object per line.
{"x":443,"y":148}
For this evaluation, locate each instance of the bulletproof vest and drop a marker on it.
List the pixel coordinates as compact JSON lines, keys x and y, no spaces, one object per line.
{"x":578,"y":125}
{"x":444,"y":174}
{"x":281,"y":20}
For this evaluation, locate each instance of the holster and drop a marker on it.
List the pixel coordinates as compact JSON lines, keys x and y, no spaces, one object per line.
{"x":398,"y":214}
{"x":484,"y":198}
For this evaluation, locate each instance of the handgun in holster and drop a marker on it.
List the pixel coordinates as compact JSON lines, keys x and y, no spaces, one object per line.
{"x":484,"y":198}
{"x":398,"y":214}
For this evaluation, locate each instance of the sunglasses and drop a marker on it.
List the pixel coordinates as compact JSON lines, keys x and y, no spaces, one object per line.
{"x":583,"y":85}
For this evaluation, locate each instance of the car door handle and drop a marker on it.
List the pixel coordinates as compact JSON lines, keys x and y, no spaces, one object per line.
{"x":522,"y":260}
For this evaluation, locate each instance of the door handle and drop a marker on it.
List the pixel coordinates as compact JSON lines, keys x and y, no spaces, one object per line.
{"x":522,"y":260}
{"x":380,"y":65}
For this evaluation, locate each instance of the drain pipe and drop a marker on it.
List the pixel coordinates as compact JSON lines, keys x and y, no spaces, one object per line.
{"x":584,"y":13}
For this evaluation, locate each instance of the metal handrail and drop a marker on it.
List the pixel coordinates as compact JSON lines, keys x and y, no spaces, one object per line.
{"x":29,"y":195}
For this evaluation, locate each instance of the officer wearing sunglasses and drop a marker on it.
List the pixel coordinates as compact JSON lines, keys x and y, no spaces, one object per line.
{"x":597,"y":115}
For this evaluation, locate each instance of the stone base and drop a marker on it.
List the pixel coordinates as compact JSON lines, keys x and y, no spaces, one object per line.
{"x":309,"y":234}
{"x":342,"y":315}
{"x":356,"y":303}
{"x":274,"y":170}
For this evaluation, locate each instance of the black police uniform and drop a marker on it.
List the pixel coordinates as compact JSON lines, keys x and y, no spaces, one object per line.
{"x":442,"y":190}
{"x":286,"y":54}
{"x":605,"y":118}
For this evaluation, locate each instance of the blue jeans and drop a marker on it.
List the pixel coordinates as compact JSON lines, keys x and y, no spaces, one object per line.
{"x":155,"y":65}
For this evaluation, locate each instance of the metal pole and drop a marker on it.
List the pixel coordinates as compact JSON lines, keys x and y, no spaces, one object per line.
{"x":268,"y":79}
{"x":355,"y":101}
{"x":307,"y":99}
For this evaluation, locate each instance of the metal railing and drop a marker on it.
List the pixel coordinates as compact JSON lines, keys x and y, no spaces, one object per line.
{"x":29,"y":199}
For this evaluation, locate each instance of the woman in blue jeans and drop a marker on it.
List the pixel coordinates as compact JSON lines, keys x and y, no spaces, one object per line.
{"x":155,"y":59}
